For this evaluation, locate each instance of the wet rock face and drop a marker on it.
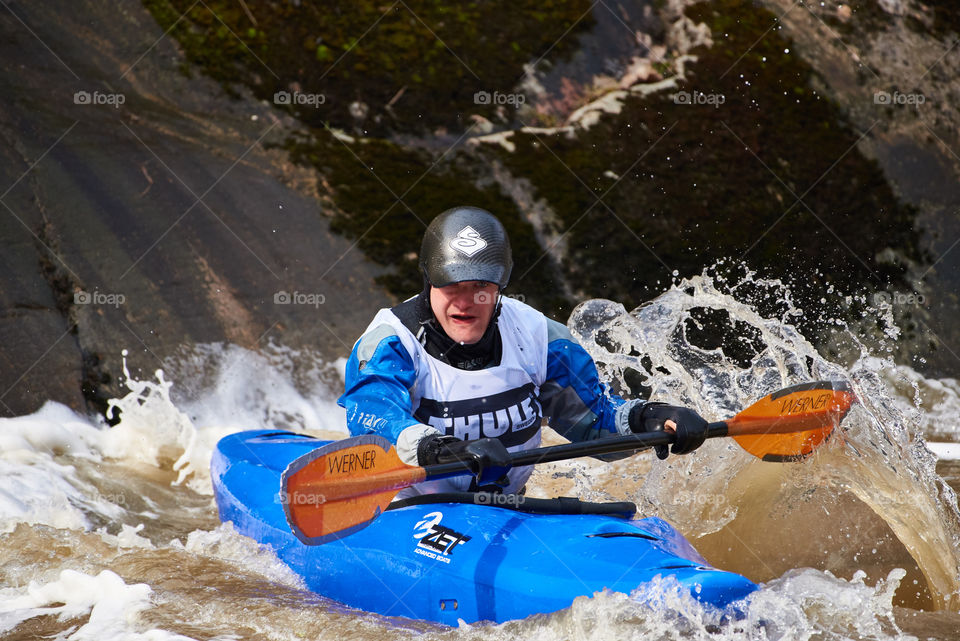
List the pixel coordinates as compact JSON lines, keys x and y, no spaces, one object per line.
{"x":142,"y":210}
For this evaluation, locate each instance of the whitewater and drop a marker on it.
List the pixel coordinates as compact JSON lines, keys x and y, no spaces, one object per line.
{"x":111,"y":533}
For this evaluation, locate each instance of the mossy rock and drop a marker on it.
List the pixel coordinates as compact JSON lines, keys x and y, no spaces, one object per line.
{"x":690,"y":193}
{"x":946,"y":17}
{"x":689,"y":184}
{"x":424,"y":58}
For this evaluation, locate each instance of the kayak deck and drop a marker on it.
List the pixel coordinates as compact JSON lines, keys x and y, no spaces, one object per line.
{"x":450,"y":561}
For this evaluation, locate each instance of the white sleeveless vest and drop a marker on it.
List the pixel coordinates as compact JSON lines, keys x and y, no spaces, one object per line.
{"x":498,"y":402}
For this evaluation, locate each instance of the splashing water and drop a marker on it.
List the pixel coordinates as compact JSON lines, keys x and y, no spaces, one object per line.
{"x":153,"y":430}
{"x":244,"y":390}
{"x":111,"y":533}
{"x":880,"y":455}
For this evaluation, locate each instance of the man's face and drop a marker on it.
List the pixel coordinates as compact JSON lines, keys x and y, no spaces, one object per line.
{"x":464,"y":309}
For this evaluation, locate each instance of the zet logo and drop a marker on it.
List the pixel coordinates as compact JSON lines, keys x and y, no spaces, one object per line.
{"x":468,"y":241}
{"x":434,"y":540}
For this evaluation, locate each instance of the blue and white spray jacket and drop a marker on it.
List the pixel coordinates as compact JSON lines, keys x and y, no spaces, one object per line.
{"x":393,"y":384}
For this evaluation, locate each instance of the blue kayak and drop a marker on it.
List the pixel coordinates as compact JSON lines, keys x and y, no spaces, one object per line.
{"x":446,"y":561}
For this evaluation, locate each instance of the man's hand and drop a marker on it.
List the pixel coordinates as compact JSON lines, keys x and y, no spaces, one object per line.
{"x":690,"y":427}
{"x":487,"y":457}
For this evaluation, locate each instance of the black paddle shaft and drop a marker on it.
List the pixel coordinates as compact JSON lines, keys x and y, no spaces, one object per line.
{"x":597,"y":447}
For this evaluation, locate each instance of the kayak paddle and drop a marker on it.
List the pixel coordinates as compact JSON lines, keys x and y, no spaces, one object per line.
{"x":342,"y":487}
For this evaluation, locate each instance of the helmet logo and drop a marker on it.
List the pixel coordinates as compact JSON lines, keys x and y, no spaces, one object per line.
{"x":468,"y":241}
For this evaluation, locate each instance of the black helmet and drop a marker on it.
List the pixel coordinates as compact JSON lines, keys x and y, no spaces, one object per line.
{"x":466,"y":243}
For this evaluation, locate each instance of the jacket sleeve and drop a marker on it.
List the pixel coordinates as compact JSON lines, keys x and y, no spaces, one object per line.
{"x":577,"y":405}
{"x":379,"y":376}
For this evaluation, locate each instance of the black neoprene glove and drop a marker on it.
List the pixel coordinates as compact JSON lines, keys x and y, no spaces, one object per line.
{"x":650,"y":417}
{"x":488,"y":459}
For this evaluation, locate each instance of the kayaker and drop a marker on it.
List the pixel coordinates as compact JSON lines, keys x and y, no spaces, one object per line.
{"x":461,"y":371}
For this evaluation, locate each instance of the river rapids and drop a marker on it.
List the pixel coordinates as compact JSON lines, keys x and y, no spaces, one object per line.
{"x":112,"y":533}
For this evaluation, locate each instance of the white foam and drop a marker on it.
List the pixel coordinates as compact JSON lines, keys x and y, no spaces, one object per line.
{"x":945,"y":451}
{"x":801,"y":605}
{"x":39,"y":485}
{"x":127,"y":537}
{"x":53,"y":429}
{"x":235,"y":389}
{"x":113,"y":606}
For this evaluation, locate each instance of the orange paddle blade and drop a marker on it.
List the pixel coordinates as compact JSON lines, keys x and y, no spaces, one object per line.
{"x":340,"y":488}
{"x":791,"y":423}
